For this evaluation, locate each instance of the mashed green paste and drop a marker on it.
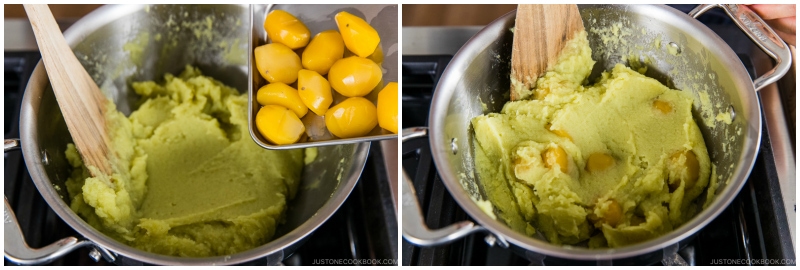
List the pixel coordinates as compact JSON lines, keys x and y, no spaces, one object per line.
{"x":188,"y":181}
{"x":604,"y":165}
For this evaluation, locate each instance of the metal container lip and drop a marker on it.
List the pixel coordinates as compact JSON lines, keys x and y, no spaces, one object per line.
{"x":31,"y":101}
{"x":447,"y":88}
{"x":254,"y":133}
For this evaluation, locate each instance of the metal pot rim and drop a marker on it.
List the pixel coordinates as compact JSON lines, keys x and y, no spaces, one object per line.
{"x":444,"y":92}
{"x":33,"y":160}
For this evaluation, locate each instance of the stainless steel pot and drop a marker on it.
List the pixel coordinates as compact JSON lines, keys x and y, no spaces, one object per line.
{"x":164,"y":39}
{"x":678,"y":51}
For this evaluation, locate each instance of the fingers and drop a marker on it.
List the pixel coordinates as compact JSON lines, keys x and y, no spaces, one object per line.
{"x":785,"y":28}
{"x":782,"y":19}
{"x":770,"y":12}
{"x":787,"y":24}
{"x":789,"y":38}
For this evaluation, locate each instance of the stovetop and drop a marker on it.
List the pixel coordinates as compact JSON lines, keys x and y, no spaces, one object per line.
{"x":362,"y":231}
{"x":753,"y":230}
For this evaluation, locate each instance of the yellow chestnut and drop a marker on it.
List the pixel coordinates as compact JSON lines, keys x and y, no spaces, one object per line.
{"x":662,"y":106}
{"x":613,"y":214}
{"x":279,"y":125}
{"x":325,"y":49}
{"x":387,"y":107}
{"x":282,"y":27}
{"x":353,"y":117}
{"x":277,"y":63}
{"x":541,"y":93}
{"x":683,"y":166}
{"x":354,"y":76}
{"x":315,"y":91}
{"x":598,"y":162}
{"x":359,"y":37}
{"x":283,"y":95}
{"x":558,"y":132}
{"x":377,"y":56}
{"x":555,"y":156}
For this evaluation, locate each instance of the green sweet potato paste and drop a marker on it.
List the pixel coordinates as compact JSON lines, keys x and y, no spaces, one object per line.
{"x":188,"y":179}
{"x":604,"y":165}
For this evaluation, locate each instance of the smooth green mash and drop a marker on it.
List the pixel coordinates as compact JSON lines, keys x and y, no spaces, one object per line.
{"x":188,"y":180}
{"x":603,"y":165}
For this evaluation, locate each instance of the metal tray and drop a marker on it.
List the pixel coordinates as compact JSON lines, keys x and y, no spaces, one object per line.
{"x":319,"y":18}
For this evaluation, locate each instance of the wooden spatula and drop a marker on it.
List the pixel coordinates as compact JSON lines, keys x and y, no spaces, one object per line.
{"x":81,"y":102}
{"x":540,"y":33}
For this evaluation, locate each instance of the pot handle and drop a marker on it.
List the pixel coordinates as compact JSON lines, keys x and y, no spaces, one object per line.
{"x":16,"y":249}
{"x":761,"y":34}
{"x":414,"y":228}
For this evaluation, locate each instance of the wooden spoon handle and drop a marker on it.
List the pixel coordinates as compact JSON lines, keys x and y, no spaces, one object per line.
{"x":540,"y":32}
{"x":81,"y":102}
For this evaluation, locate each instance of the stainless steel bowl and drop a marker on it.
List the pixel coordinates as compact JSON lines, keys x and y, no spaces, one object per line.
{"x":165,"y":38}
{"x":683,"y":54}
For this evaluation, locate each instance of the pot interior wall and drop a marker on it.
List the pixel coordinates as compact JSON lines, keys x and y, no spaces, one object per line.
{"x":153,"y":40}
{"x":676,"y":55}
{"x":147,"y":42}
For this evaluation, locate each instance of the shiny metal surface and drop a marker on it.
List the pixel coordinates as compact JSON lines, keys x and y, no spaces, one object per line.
{"x":100,"y":40}
{"x":480,"y":70}
{"x":16,"y":249}
{"x":20,"y":29}
{"x":320,"y":18}
{"x":432,"y":40}
{"x":779,"y":137}
{"x":674,"y":260}
{"x":95,"y":255}
{"x":414,"y":228}
{"x":671,"y":257}
{"x":10,"y":144}
{"x":390,"y":154}
{"x":762,"y":35}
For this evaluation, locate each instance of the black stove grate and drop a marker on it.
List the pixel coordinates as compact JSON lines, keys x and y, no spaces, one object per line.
{"x":750,"y":228}
{"x":364,"y":227}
